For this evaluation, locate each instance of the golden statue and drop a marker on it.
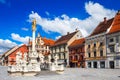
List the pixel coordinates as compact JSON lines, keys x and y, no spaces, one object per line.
{"x":34,"y":25}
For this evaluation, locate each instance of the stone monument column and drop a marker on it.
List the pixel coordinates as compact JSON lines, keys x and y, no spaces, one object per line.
{"x":33,"y":55}
{"x":33,"y":34}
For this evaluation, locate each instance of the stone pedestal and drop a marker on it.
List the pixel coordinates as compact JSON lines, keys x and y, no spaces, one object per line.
{"x":52,"y":67}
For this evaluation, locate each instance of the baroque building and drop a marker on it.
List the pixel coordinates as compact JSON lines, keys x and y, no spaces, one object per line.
{"x":102,"y":46}
{"x":42,"y":45}
{"x":9,"y":57}
{"x":60,"y":48}
{"x":76,"y":53}
{"x":95,"y":45}
{"x":113,"y":43}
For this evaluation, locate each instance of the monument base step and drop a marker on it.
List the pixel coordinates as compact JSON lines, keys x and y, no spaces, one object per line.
{"x":31,"y":73}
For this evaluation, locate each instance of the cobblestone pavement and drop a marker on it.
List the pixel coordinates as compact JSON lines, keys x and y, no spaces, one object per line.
{"x":69,"y":74}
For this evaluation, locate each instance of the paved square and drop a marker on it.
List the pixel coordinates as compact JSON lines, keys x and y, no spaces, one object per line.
{"x":69,"y":74}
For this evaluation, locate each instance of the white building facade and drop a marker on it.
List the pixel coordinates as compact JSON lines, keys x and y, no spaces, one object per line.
{"x":113,"y":50}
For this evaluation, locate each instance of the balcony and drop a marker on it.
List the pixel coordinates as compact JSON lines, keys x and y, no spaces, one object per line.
{"x":40,"y":48}
{"x":96,"y":58}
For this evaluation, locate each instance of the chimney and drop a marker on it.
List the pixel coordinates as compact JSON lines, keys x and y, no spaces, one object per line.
{"x":68,"y":33}
{"x":76,"y":29}
{"x":105,"y":20}
{"x":118,"y":12}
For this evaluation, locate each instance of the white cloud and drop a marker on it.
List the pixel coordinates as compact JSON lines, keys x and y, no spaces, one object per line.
{"x":63,"y":24}
{"x":6,"y":44}
{"x":47,"y":13}
{"x":25,"y":29}
{"x":17,"y":37}
{"x":3,"y":1}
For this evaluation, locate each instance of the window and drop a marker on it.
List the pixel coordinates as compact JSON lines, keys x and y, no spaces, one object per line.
{"x":76,"y":50}
{"x":88,"y":46}
{"x":94,"y":44}
{"x":88,"y":54}
{"x":71,"y":58}
{"x":101,"y":43}
{"x":60,"y":48}
{"x":55,"y":49}
{"x":59,"y":56}
{"x":38,"y":41}
{"x":111,"y":48}
{"x":81,"y":57}
{"x":117,"y":39}
{"x":101,"y":52}
{"x":111,"y":40}
{"x":76,"y":58}
{"x":94,"y":53}
{"x":64,"y":47}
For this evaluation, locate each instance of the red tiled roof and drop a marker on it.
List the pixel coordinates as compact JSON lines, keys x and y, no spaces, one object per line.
{"x":116,"y":24}
{"x":48,"y":41}
{"x":15,"y":47}
{"x":64,"y":39}
{"x":102,"y":27}
{"x":77,"y":43}
{"x":7,"y":53}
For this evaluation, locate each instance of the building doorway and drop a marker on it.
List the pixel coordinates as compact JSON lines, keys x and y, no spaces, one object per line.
{"x":95,"y":64}
{"x":89,"y":64}
{"x":102,"y":64}
{"x":111,"y":64}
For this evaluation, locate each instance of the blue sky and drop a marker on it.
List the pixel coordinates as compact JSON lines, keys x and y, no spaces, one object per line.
{"x":54,"y":18}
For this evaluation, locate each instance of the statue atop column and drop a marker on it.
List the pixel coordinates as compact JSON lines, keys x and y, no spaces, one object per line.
{"x":34,"y":25}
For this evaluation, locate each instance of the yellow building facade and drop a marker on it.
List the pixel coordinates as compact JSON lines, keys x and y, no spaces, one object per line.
{"x":95,"y":51}
{"x":95,"y":45}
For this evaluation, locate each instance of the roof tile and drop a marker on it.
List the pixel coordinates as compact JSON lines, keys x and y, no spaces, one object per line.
{"x":64,"y":39}
{"x":102,"y":27}
{"x":77,"y":43}
{"x":116,"y":24}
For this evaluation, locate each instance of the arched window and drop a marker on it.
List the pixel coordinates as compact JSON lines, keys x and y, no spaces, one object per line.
{"x":38,"y":41}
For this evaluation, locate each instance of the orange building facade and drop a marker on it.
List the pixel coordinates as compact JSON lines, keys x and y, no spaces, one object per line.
{"x":76,"y":53}
{"x":10,"y":55}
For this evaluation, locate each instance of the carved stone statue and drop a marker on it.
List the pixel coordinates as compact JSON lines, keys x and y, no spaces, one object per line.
{"x":18,"y":57}
{"x":41,"y":58}
{"x":49,"y":58}
{"x":25,"y":56}
{"x":34,"y":25}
